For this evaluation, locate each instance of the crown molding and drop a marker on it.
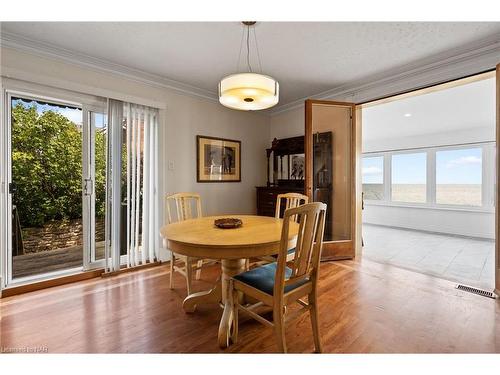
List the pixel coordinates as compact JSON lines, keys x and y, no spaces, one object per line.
{"x":452,"y":64}
{"x":43,"y":49}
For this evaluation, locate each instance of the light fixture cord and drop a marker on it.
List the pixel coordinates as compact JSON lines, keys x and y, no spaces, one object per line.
{"x":248,"y":50}
{"x":241,"y":48}
{"x":257,"y":48}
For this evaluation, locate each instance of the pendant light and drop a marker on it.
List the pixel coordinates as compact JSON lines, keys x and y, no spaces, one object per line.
{"x":248,"y":91}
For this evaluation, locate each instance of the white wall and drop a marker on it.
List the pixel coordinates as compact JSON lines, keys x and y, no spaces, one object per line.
{"x":189,"y":117}
{"x":482,"y":134}
{"x":460,"y":222}
{"x":182,"y":118}
{"x":288,"y":124}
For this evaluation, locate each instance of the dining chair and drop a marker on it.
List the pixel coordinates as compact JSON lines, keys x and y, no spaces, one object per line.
{"x":277,"y":286}
{"x":291,"y":200}
{"x":187,"y":206}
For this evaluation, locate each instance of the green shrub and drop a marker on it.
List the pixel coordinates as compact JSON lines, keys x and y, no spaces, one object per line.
{"x":47,"y":166}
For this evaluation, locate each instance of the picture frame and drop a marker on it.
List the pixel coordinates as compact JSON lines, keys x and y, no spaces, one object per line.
{"x":218,"y":159}
{"x":296,"y":169}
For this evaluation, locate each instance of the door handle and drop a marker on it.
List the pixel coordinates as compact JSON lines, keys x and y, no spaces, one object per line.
{"x":87,"y":186}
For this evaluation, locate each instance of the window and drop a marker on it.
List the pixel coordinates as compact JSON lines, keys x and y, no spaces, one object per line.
{"x":409,"y":172}
{"x":373,"y":178}
{"x":438,"y":177}
{"x":459,"y":177}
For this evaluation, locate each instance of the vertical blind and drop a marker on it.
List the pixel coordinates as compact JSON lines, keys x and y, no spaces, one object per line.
{"x":132,"y":185}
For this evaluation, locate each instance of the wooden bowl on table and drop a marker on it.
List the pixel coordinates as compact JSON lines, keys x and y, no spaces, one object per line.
{"x":228,"y":223}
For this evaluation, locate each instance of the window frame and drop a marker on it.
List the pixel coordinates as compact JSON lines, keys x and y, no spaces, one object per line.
{"x":384,"y":172}
{"x":488,"y":175}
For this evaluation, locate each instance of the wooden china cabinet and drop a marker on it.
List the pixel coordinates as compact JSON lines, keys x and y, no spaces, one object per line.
{"x":285,"y":173}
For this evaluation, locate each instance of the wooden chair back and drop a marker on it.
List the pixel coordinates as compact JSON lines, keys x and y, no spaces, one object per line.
{"x":292,"y":200}
{"x":187,"y":206}
{"x":305,"y":263}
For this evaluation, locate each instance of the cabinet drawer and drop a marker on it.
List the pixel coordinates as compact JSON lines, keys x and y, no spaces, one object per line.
{"x":266,"y":200}
{"x":268,"y":203}
{"x":267,"y":195}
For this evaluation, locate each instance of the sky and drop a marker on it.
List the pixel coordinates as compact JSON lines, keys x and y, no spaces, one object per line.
{"x":452,"y":167}
{"x":459,"y":166}
{"x":72,"y":114}
{"x":373,"y":170}
{"x":409,"y":168}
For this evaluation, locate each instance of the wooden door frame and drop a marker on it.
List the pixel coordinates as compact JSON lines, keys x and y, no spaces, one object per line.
{"x":355,"y":242}
{"x":497,"y":190}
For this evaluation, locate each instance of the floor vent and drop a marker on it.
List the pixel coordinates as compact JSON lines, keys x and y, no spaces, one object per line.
{"x":477,"y":291}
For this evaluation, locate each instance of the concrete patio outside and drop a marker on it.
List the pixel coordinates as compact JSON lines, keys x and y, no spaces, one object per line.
{"x":52,"y":260}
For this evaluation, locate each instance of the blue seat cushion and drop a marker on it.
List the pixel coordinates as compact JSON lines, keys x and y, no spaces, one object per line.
{"x":262,"y":278}
{"x":291,"y":251}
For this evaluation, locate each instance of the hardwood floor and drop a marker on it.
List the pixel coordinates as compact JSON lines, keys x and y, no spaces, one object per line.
{"x":365,"y":307}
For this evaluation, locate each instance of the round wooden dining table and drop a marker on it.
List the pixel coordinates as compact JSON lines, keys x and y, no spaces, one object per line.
{"x":199,"y":238}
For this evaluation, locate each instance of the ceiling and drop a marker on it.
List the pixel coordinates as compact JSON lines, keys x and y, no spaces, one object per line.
{"x":306,"y":58}
{"x":464,"y":107}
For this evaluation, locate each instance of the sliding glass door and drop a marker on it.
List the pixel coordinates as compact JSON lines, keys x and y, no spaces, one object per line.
{"x":56,"y":172}
{"x":94,"y":185}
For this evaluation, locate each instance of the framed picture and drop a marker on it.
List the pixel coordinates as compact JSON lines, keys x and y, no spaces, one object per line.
{"x":218,"y":159}
{"x":297,"y":165}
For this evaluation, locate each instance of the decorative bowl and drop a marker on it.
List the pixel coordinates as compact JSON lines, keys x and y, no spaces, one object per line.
{"x":228,"y":223}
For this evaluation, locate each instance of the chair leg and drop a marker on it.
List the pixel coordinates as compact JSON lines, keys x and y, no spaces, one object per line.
{"x":189,"y":273}
{"x":235,"y":300}
{"x":172,"y":269}
{"x":247,"y":264}
{"x":199,"y":264}
{"x":313,"y":301}
{"x":279,"y":327}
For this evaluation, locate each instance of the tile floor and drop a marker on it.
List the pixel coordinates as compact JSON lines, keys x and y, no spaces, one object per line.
{"x":466,"y":260}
